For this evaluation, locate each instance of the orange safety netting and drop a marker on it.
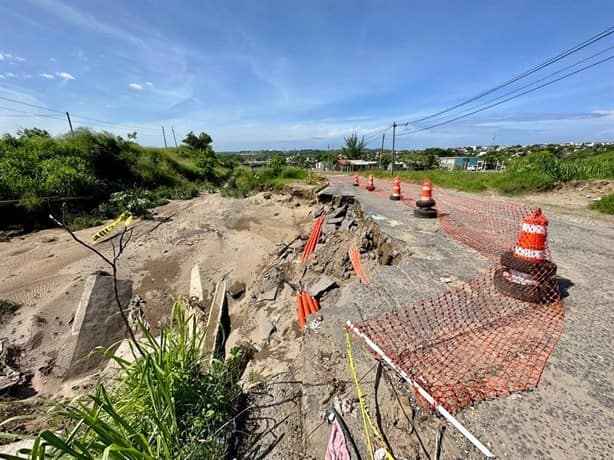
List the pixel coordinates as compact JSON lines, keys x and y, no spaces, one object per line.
{"x":469,"y":344}
{"x":489,"y":226}
{"x":492,"y":335}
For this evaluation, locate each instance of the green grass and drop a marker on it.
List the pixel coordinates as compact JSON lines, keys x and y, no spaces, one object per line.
{"x":162,"y":405}
{"x":605,"y":205}
{"x":458,"y":180}
{"x":245,"y":181}
{"x":539,"y":171}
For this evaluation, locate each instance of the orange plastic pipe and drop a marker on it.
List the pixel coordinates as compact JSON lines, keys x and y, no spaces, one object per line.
{"x":301,"y":311}
{"x":307,"y":304}
{"x":313,"y":306}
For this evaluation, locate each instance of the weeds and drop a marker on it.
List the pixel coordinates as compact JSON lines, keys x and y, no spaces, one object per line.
{"x":8,"y":308}
{"x":161,"y":407}
{"x":605,"y":204}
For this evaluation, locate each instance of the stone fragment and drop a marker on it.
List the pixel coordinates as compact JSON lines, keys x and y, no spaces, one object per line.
{"x":236,"y":289}
{"x":321,"y":285}
{"x":329,"y":229}
{"x":340,"y":212}
{"x":335,"y":220}
{"x":346,"y":224}
{"x":268,"y":295}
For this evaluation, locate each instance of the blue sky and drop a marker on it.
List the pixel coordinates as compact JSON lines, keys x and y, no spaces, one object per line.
{"x":300,"y":74}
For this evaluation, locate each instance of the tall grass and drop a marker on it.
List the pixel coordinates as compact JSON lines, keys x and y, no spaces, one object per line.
{"x":161,"y":406}
{"x":605,"y":205}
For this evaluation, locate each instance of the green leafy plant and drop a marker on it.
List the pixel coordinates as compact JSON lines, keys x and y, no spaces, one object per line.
{"x":605,"y":204}
{"x":8,"y":308}
{"x":163,"y":406}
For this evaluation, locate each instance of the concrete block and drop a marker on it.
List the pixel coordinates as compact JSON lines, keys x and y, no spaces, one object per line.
{"x":97,"y":323}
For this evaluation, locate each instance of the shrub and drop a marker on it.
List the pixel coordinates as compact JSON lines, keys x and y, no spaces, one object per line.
{"x":8,"y":308}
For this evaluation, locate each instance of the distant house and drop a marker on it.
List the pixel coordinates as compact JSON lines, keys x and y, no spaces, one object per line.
{"x":354,"y":165}
{"x":462,"y":163}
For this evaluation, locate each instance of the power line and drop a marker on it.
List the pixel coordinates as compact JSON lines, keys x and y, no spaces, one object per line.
{"x":17,"y":111}
{"x":78,"y":117}
{"x":520,"y":88}
{"x":550,"y":61}
{"x":509,"y":98}
{"x":31,"y":105}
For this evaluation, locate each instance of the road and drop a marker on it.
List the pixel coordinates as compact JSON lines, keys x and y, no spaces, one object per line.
{"x":569,"y":415}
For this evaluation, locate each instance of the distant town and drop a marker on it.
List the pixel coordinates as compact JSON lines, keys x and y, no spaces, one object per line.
{"x":469,"y":158}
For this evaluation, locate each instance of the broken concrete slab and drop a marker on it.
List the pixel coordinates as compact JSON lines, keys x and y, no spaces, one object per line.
{"x":335,"y":220}
{"x":268,"y":295}
{"x":264,"y":327}
{"x":329,"y":229}
{"x":196,"y":287}
{"x":97,"y":323}
{"x":218,"y":324}
{"x":340,"y":212}
{"x":346,"y":225}
{"x":321,"y":285}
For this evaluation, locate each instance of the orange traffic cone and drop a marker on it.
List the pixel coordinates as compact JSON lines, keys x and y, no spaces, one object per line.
{"x":356,"y":183}
{"x":425,"y":205}
{"x":370,"y":186}
{"x":526,"y":274}
{"x":396,"y":189}
{"x":531,"y":243}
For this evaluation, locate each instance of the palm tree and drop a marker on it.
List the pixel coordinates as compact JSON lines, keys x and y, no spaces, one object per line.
{"x":353,"y":147}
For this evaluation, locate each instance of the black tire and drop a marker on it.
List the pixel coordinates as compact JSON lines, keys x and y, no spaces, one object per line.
{"x":395,"y":198}
{"x":544,"y":269}
{"x":425,"y":204}
{"x":544,"y":292}
{"x":426,"y":213}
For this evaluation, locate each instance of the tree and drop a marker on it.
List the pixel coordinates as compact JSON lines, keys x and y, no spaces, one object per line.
{"x":353,"y":147}
{"x":276,"y":163}
{"x":200,"y":142}
{"x":132,"y":136}
{"x":33,"y":132}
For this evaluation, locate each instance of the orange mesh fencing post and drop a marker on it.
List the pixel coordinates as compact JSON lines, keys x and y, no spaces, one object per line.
{"x":370,"y":185}
{"x":396,"y":189}
{"x":526,"y":274}
{"x":356,"y":182}
{"x":426,"y":205}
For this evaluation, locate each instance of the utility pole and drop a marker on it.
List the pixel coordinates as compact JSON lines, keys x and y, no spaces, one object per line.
{"x":70,"y":123}
{"x":164,"y":136}
{"x":174,"y":138}
{"x":394,"y":130}
{"x":381,"y":152}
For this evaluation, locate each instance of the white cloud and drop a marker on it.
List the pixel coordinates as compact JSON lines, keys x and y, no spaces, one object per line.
{"x":148,"y":83}
{"x":2,"y":76}
{"x":65,"y":75}
{"x":10,"y":74}
{"x":48,"y":76}
{"x":11,"y":57}
{"x":136,"y":86}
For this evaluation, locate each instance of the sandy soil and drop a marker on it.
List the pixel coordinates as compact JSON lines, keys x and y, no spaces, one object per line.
{"x":45,"y":271}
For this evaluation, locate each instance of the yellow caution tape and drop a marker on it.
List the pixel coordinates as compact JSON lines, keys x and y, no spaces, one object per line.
{"x":106,"y":231}
{"x":366,"y":420}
